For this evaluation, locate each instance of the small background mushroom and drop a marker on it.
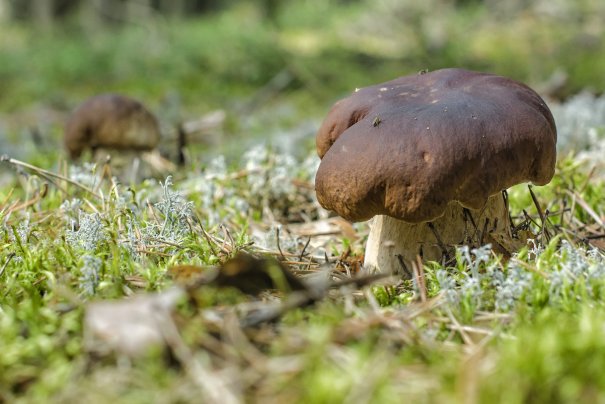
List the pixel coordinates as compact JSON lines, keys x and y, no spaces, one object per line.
{"x":429,"y":155}
{"x":120,"y":127}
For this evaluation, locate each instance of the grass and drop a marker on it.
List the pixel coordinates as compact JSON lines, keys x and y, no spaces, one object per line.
{"x":481,"y":325}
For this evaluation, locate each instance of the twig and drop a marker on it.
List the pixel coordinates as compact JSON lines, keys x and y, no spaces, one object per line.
{"x":439,"y":240}
{"x":562,"y":219}
{"x":278,"y":246}
{"x":507,"y":207}
{"x":543,"y":229}
{"x":529,"y":218}
{"x":483,"y":231}
{"x":302,"y":253}
{"x":468,"y":215}
{"x":404,"y":267}
{"x":271,"y":312}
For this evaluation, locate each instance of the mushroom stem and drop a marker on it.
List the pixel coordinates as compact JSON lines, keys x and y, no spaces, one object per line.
{"x":132,"y":166}
{"x":394,"y":244}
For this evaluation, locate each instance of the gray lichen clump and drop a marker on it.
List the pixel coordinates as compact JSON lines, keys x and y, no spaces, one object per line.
{"x":434,"y":148}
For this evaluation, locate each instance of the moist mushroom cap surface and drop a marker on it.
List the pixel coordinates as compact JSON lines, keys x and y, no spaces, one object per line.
{"x":408,"y":147}
{"x":111,"y":121}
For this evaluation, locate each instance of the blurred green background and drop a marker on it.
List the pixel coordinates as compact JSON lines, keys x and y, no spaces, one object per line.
{"x":274,"y":67}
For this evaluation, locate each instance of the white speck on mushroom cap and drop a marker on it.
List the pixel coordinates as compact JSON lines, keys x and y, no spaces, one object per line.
{"x":383,"y":89}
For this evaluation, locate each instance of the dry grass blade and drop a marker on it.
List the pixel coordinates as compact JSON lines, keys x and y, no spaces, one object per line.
{"x":531,"y":268}
{"x":459,"y":328}
{"x":46,"y":173}
{"x":472,"y":330}
{"x":580,"y":201}
{"x":38,"y":195}
{"x":213,"y":387}
{"x":5,"y":201}
{"x":8,"y":260}
{"x":418,"y":309}
{"x":234,"y":336}
{"x":419,"y":278}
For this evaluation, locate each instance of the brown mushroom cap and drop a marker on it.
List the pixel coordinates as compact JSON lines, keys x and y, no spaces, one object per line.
{"x":408,"y":147}
{"x":111,"y":121}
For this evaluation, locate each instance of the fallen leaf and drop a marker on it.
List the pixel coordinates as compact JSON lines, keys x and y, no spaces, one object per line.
{"x":129,"y":326}
{"x":253,"y":275}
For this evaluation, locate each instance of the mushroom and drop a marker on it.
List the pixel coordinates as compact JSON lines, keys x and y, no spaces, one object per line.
{"x":111,"y":121}
{"x":428,"y":157}
{"x":121,"y":127}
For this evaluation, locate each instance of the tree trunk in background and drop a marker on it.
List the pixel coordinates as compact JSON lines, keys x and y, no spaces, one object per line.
{"x":5,"y":11}
{"x":173,"y":8}
{"x":42,"y":13}
{"x":91,"y":17}
{"x":270,"y":10}
{"x":96,"y":13}
{"x":138,"y":11}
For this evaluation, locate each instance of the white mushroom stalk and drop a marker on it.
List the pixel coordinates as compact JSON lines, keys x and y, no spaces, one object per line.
{"x":393,"y":245}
